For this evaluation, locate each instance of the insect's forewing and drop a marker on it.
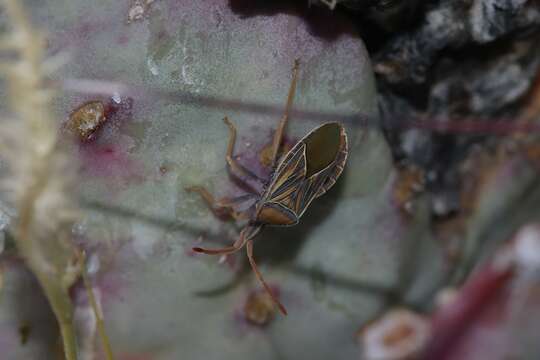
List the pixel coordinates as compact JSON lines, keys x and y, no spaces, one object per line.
{"x":326,"y":154}
{"x":306,"y":172}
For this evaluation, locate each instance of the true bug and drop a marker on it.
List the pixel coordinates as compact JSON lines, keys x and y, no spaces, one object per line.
{"x":304,"y":173}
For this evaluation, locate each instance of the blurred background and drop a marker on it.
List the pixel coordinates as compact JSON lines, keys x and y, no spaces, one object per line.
{"x":427,"y":247}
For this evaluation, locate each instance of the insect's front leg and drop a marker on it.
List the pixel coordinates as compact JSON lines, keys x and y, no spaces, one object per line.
{"x":238,"y":244}
{"x":223,"y":206}
{"x":229,"y":157}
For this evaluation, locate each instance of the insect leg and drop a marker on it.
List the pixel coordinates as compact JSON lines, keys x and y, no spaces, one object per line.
{"x":249,"y":248}
{"x":233,"y":164}
{"x":222,"y":206}
{"x":238,"y":244}
{"x":278,"y":135}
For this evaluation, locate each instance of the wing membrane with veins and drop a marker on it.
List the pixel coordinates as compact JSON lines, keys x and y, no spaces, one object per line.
{"x":291,"y":189}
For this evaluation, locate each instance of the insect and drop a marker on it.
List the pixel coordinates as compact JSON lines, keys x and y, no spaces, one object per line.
{"x":304,"y":173}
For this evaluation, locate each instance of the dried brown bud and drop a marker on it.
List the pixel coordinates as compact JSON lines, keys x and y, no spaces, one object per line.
{"x":87,"y":119}
{"x":259,"y":308}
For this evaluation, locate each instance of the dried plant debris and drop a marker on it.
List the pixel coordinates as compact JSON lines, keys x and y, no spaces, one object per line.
{"x":409,"y":56}
{"x":85,"y":120}
{"x":259,"y":308}
{"x":459,"y":64}
{"x":408,"y":184}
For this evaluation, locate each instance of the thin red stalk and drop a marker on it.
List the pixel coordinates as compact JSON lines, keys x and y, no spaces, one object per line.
{"x":452,"y":322}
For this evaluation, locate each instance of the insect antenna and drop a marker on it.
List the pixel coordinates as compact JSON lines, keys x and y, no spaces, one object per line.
{"x":249,"y":248}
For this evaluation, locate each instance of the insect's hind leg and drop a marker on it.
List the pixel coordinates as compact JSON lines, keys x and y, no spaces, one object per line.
{"x":222,"y":206}
{"x":249,"y":248}
{"x":278,"y":135}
